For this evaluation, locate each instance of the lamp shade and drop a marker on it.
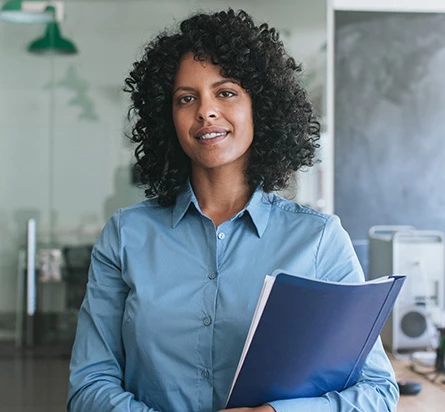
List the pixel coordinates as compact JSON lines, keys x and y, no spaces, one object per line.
{"x":14,"y":11}
{"x":52,"y":41}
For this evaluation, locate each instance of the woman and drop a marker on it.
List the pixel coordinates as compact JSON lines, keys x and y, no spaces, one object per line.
{"x":173,"y":283}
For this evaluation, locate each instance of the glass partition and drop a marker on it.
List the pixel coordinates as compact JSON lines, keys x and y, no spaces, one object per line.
{"x":64,"y":160}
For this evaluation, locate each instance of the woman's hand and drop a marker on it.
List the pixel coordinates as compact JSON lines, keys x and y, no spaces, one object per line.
{"x":262,"y":408}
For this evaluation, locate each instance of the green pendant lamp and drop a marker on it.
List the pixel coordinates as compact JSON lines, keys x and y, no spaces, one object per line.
{"x":15,"y":11}
{"x":52,"y":42}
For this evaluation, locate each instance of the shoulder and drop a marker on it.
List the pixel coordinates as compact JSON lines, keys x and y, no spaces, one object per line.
{"x":293,"y":215}
{"x":144,"y":206}
{"x":136,"y":222}
{"x":292,"y":208}
{"x":140,"y":213}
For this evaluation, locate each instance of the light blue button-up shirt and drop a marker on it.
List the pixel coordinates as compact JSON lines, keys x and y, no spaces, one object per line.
{"x":170,"y":299}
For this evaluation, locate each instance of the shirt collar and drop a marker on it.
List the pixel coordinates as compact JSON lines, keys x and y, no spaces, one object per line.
{"x":184,"y":198}
{"x":259,"y":207}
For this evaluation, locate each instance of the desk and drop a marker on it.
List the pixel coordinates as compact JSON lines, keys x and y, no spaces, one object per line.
{"x":430,"y":399}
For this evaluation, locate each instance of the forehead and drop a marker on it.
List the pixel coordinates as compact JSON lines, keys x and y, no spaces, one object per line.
{"x":191,"y":70}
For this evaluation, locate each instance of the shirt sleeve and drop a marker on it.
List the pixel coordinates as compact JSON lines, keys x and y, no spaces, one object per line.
{"x":98,"y":357}
{"x":376,"y":388}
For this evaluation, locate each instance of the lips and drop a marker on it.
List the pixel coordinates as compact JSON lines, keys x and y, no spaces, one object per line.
{"x":208,"y":133}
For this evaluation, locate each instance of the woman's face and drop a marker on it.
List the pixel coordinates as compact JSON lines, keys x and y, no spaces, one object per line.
{"x":212,"y":116}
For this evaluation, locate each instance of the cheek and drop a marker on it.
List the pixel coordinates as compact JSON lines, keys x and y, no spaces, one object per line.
{"x":176,"y":120}
{"x":179,"y":122}
{"x":245,"y":119}
{"x":181,"y":127}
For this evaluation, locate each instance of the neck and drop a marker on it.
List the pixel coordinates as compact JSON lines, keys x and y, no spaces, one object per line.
{"x":220,"y":197}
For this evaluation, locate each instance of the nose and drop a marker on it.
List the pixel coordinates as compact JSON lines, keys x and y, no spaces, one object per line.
{"x":207,"y":109}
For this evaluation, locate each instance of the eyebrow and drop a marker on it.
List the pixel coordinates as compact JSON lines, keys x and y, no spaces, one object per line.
{"x":213,"y":85}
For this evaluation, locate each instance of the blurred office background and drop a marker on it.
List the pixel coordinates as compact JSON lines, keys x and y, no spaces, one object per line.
{"x":66,"y":165}
{"x":65,"y":161}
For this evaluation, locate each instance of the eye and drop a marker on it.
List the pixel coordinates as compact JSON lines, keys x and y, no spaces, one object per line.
{"x":185,"y":99}
{"x":226,"y":93}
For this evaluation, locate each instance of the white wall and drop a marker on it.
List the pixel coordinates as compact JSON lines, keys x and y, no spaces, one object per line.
{"x":53,"y":157}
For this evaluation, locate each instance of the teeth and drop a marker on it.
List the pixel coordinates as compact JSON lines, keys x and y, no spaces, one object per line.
{"x":211,"y":135}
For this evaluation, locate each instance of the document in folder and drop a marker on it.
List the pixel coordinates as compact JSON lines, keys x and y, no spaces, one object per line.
{"x":309,"y":337}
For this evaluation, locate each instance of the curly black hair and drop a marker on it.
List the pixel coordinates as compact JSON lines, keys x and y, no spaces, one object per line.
{"x":285,"y":129}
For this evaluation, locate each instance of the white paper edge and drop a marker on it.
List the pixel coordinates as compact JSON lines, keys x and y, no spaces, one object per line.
{"x":264,"y":295}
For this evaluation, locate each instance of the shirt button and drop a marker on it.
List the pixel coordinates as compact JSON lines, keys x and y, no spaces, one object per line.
{"x":205,"y":373}
{"x":221,"y":235}
{"x":212,"y":276}
{"x":207,"y":321}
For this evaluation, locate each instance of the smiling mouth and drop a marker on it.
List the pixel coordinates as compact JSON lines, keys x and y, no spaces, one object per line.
{"x":209,"y":136}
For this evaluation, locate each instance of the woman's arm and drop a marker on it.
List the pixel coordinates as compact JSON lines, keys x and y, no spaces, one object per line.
{"x":98,"y":361}
{"x":375,"y":389}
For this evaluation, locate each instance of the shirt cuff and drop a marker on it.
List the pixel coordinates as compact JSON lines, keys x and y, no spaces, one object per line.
{"x":301,"y":405}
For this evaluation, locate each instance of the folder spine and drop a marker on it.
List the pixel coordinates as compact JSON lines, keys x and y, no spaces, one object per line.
{"x":377,"y":326}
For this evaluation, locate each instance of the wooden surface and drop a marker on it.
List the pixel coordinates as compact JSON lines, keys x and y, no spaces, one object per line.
{"x":430,"y":399}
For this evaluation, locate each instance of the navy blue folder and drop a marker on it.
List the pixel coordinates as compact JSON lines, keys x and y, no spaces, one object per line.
{"x":313,"y":337}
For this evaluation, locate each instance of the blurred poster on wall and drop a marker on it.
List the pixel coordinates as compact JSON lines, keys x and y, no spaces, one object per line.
{"x":389,"y":120}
